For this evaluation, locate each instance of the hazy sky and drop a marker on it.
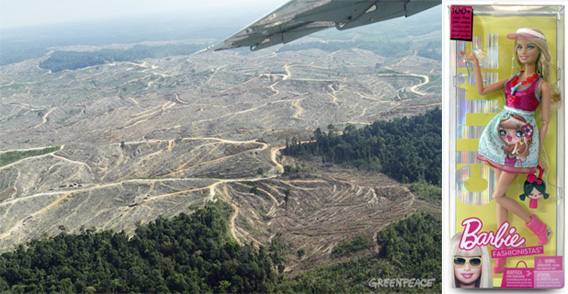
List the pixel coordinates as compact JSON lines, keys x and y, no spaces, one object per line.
{"x":18,"y":13}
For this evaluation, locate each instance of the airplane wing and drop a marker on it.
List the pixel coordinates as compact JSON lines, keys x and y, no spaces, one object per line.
{"x":299,"y":18}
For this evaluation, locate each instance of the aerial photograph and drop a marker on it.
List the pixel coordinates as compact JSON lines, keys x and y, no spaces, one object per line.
{"x":220,"y":147}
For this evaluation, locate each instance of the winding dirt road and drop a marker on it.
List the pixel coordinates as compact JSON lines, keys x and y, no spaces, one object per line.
{"x":215,"y":190}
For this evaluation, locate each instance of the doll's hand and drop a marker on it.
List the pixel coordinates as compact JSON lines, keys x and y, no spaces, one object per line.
{"x":541,"y":163}
{"x":468,"y":55}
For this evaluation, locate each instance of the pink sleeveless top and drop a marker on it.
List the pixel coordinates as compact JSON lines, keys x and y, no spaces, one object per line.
{"x":524,"y":99}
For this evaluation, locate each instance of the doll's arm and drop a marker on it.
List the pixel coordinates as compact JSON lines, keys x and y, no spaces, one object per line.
{"x":545,"y":113}
{"x":482,"y":90}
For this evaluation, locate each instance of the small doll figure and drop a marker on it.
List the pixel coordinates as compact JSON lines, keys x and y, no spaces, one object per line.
{"x":535,"y":189}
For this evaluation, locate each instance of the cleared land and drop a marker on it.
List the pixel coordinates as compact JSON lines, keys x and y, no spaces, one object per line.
{"x":226,"y":95}
{"x":159,"y":136}
{"x":117,"y":187}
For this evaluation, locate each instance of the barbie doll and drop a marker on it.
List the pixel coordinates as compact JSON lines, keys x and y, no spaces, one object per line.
{"x":512,"y":143}
{"x":470,"y":268}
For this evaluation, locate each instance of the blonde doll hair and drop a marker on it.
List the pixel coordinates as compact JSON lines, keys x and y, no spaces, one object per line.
{"x":486,"y":278}
{"x":542,"y":63}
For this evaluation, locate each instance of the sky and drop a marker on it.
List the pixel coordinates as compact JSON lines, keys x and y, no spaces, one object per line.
{"x":23,"y":13}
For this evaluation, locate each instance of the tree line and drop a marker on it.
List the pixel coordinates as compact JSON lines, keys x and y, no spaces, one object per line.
{"x":71,"y":60}
{"x":195,"y":254}
{"x":386,"y":48}
{"x":9,"y":157}
{"x":409,"y":249}
{"x":187,"y":254}
{"x":406,"y":149}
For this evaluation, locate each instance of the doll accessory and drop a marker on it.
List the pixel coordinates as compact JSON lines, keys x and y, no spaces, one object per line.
{"x":532,"y":178}
{"x":499,"y":266}
{"x":516,"y":84}
{"x":539,"y":229}
{"x":472,"y":261}
{"x":527,"y":33}
{"x":518,"y":96}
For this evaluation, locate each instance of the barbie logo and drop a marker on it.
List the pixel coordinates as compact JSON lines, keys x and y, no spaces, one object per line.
{"x":472,"y":236}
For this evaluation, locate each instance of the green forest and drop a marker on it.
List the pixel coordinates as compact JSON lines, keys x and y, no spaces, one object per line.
{"x":193,"y":253}
{"x":407,"y":149}
{"x":410,"y":249}
{"x":187,"y":254}
{"x":13,"y":156}
{"x":387,"y":48}
{"x":71,"y":60}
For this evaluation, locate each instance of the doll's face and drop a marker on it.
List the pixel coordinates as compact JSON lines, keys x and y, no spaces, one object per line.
{"x":510,"y":135}
{"x":467,"y":269}
{"x":535,"y":194}
{"x":527,"y":51}
{"x":510,"y":130}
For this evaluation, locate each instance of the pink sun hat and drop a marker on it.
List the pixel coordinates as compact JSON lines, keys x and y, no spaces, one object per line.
{"x":527,"y":33}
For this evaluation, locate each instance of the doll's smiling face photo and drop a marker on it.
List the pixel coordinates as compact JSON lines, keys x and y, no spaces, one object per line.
{"x":467,"y":269}
{"x":527,"y":51}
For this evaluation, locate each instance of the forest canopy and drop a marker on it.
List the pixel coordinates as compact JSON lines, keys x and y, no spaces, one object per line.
{"x":195,"y":254}
{"x":71,"y":60}
{"x":187,"y":253}
{"x":406,"y":149}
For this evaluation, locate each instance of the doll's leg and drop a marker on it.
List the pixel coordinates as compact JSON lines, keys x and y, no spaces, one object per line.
{"x":502,"y":215}
{"x":502,"y":212}
{"x":503,"y":182}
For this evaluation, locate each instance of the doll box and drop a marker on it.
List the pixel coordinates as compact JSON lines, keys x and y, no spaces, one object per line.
{"x":486,"y":138}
